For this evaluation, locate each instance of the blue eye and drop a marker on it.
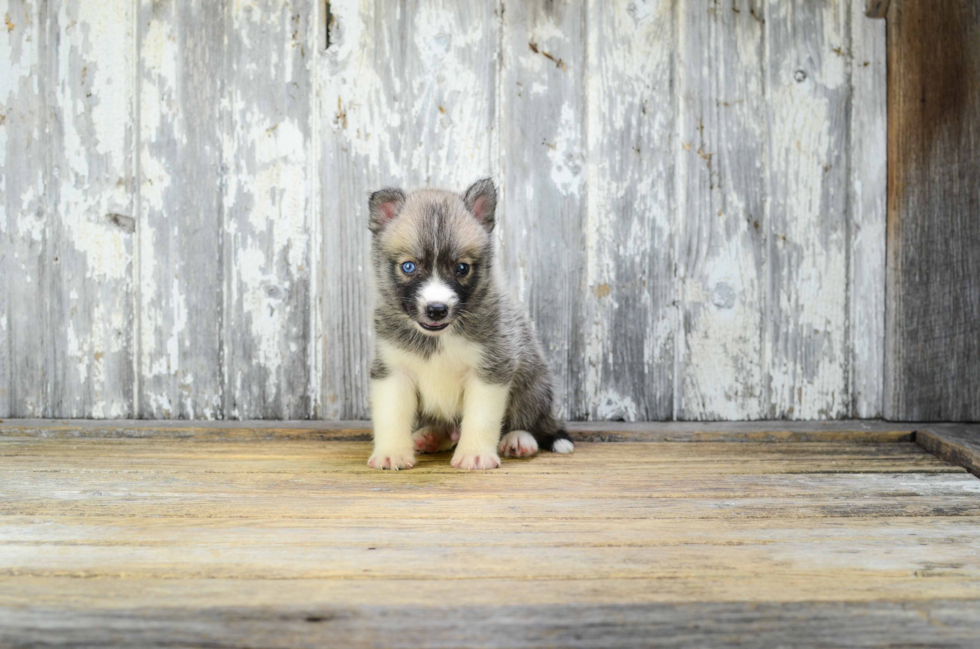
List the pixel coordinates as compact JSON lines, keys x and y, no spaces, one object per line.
{"x":462,"y":269}
{"x":408,"y":267}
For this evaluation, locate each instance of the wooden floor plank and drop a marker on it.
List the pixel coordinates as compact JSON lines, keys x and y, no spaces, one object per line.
{"x":871,"y":559}
{"x":857,"y":431}
{"x":651,"y":532}
{"x":78,"y":484}
{"x":956,"y":443}
{"x":802,"y":625}
{"x":71,"y":593}
{"x":238,"y":541}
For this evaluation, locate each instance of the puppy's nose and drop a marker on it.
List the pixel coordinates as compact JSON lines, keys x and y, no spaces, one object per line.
{"x":436,"y":311}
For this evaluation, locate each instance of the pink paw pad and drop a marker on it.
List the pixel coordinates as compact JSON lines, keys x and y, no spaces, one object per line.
{"x":433,"y":440}
{"x":392,"y":462}
{"x":518,"y":443}
{"x":478,"y":462}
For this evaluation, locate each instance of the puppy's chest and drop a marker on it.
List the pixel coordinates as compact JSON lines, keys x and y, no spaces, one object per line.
{"x":441,"y":377}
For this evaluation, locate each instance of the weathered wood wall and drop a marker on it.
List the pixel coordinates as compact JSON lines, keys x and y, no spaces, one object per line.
{"x":692,"y":198}
{"x":933,"y":360}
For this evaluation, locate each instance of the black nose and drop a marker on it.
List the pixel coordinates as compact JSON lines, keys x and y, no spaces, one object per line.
{"x":436,"y":311}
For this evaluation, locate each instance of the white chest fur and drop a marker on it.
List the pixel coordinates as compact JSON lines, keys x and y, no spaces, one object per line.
{"x":440,"y":377}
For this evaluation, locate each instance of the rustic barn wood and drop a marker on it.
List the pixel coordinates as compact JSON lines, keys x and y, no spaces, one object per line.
{"x":808,"y":228}
{"x":933,"y":341}
{"x":956,"y":443}
{"x":66,"y":137}
{"x":691,"y":199}
{"x":628,"y":316}
{"x":937,"y":623}
{"x":543,"y":151}
{"x":360,"y":431}
{"x":876,"y":8}
{"x":868,"y":175}
{"x":269,"y":167}
{"x":25,"y":253}
{"x":132,"y":537}
{"x":722,"y":254}
{"x":179,"y":267}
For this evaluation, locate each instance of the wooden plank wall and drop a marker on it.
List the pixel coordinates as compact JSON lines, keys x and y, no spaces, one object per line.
{"x":692,"y":201}
{"x":933,"y":344}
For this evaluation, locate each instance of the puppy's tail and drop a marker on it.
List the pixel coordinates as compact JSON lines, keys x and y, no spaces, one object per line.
{"x":557,"y":442}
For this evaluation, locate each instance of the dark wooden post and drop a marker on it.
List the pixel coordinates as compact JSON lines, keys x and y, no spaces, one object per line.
{"x":932,"y":355}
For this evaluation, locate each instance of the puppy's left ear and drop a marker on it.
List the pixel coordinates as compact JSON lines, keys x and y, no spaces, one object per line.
{"x":481,"y":200}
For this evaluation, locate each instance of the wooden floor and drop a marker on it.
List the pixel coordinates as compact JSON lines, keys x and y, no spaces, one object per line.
{"x":173,"y":536}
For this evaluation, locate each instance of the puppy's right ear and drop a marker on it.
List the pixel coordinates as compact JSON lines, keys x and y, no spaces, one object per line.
{"x":384,"y":205}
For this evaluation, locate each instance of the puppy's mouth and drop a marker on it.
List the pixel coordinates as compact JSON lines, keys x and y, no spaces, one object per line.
{"x":434,"y":326}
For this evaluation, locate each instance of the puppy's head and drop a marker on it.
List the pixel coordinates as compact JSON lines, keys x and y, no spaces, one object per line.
{"x":432,"y":252}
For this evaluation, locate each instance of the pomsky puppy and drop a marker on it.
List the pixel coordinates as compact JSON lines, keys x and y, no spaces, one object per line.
{"x":456,"y":362}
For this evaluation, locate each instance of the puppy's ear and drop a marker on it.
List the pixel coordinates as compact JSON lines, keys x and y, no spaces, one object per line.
{"x":481,"y":200}
{"x":384,"y":205}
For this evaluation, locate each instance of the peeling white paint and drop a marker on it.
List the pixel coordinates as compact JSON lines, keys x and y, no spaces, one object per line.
{"x":808,"y":366}
{"x":629,"y":188}
{"x":424,"y":101}
{"x":566,"y":158}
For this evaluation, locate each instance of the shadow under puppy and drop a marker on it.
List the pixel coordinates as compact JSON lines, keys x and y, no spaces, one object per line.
{"x":456,"y":363}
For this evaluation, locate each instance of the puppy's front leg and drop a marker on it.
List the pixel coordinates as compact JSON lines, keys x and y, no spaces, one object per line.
{"x":393,"y":405}
{"x":484,"y":406}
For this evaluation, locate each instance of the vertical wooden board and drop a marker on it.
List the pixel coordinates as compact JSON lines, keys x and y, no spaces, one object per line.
{"x":407,"y":98}
{"x":179,"y":258}
{"x":24,"y":207}
{"x":933,"y":277}
{"x":543,"y":173}
{"x":868,"y":177}
{"x":90,"y":73}
{"x":268,"y":203}
{"x":722,"y":167}
{"x":807,"y":94}
{"x":627,"y":304}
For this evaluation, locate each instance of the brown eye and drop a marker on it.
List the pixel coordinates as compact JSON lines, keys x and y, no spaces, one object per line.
{"x":462,"y":269}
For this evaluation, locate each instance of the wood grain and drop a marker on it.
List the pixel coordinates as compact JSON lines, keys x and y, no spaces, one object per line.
{"x":24,"y":256}
{"x":868,"y":171}
{"x":807,"y":97}
{"x":876,"y":8}
{"x":819,"y":431}
{"x":184,"y":200}
{"x":628,"y":313}
{"x":939,"y":623}
{"x":722,"y":262}
{"x":543,"y":149}
{"x":89,"y":341}
{"x":933,"y":320}
{"x":269,"y":166}
{"x":955,"y":443}
{"x":179,"y":258}
{"x":122,"y":541}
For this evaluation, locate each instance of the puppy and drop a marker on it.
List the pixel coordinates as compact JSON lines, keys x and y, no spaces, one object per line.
{"x":456,"y":363}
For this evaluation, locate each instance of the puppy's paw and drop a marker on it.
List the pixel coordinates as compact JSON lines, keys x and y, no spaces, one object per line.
{"x":483,"y":460}
{"x":430,"y":439}
{"x":394,"y":459}
{"x":518,"y":443}
{"x":563,"y":446}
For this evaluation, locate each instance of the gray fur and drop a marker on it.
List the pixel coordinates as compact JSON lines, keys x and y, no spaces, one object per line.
{"x":436,"y":226}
